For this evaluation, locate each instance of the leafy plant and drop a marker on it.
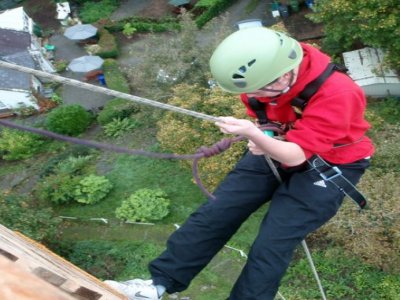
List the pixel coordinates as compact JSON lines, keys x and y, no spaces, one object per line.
{"x":16,"y":144}
{"x":91,"y":189}
{"x":128,"y":30}
{"x":70,"y":119}
{"x":73,"y":165}
{"x":144,"y":205}
{"x":57,"y":99}
{"x":57,"y":188}
{"x":60,"y":65}
{"x":117,"y":108}
{"x":118,"y":126}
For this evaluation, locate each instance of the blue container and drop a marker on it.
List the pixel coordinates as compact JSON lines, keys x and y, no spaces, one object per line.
{"x":284,"y":11}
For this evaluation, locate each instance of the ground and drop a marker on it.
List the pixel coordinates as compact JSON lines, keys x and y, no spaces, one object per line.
{"x":43,"y":12}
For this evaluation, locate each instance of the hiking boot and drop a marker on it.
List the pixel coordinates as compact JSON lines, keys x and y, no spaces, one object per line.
{"x":136,"y":289}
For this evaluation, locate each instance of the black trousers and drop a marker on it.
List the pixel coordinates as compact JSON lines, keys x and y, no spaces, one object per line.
{"x":298,"y":207}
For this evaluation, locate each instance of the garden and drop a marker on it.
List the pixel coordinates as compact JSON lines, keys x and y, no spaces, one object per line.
{"x":111,"y":213}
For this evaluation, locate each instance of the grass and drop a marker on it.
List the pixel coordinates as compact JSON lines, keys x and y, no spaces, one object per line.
{"x":131,"y":173}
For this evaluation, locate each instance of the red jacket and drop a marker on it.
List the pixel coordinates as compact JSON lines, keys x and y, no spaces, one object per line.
{"x":334,"y":116}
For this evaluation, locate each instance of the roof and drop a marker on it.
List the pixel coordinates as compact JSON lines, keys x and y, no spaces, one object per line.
{"x":10,"y":79}
{"x":12,"y":41}
{"x":365,"y":67}
{"x":16,"y":19}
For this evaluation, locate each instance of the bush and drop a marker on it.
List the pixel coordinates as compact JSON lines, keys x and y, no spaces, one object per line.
{"x":144,"y":205}
{"x":52,"y":165}
{"x":70,"y":119}
{"x":117,"y":108}
{"x":212,"y":9}
{"x":129,"y":30}
{"x":73,"y":165}
{"x":144,"y":24}
{"x":182,"y":134}
{"x":17,"y":144}
{"x":91,"y":189}
{"x":108,"y":45}
{"x":57,"y":188}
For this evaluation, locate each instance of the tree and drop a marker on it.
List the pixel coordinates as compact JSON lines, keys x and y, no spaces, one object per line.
{"x":348,"y":24}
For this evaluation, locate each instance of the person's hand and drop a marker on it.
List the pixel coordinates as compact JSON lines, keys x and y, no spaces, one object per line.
{"x":236,"y":126}
{"x":254,"y":149}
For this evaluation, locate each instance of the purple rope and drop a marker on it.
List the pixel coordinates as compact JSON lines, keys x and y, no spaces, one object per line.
{"x":203,"y":151}
{"x":215,"y":149}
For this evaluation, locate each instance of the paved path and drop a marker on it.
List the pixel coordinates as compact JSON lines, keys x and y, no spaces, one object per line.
{"x":132,"y":53}
{"x":68,"y":50}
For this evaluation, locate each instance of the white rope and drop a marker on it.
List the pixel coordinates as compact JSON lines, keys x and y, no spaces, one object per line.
{"x":314,"y":270}
{"x":303,"y":242}
{"x":106,"y":91}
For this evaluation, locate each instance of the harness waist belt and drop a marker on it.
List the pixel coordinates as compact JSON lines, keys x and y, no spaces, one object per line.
{"x":334,"y":175}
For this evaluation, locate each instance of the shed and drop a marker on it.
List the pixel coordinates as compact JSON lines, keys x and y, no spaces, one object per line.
{"x":365,"y":68}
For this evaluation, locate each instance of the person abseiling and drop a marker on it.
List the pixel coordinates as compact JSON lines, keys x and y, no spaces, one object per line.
{"x":326,"y":143}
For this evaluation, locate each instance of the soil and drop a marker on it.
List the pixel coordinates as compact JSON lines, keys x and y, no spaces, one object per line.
{"x":302,"y":28}
{"x":43,"y":12}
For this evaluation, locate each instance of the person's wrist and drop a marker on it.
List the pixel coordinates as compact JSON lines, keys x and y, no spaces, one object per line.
{"x":253,"y":132}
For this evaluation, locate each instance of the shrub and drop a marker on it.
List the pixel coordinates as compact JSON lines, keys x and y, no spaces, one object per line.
{"x":91,"y":189}
{"x":117,"y":127}
{"x":16,"y":144}
{"x":108,"y":45}
{"x":117,"y":108}
{"x":57,"y":188}
{"x":144,"y":205}
{"x":70,"y":119}
{"x":73,"y":165}
{"x":129,"y":30}
{"x":211,"y":9}
{"x":51,"y":166}
{"x":182,"y":134}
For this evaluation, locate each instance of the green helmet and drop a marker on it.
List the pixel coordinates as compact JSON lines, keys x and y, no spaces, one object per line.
{"x":251,"y":58}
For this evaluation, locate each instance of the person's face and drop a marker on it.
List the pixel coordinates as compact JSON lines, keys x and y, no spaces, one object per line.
{"x":275,"y":88}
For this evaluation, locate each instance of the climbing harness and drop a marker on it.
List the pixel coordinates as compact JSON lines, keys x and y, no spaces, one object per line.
{"x":324,"y":169}
{"x":334,"y":174}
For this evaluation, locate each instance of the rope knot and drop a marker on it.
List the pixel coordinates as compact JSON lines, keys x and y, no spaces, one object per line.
{"x":215,"y":149}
